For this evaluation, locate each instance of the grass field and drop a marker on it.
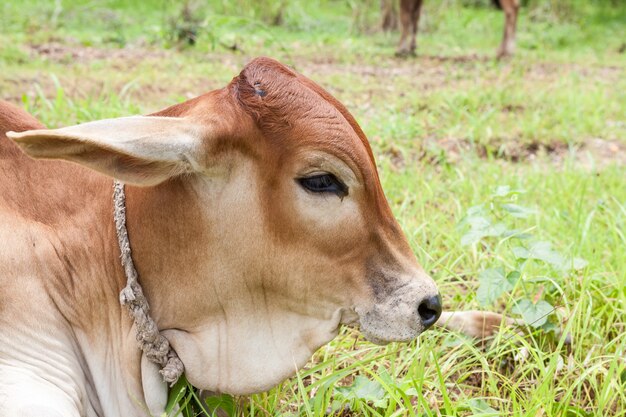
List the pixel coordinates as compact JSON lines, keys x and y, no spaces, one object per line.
{"x":509,"y":178}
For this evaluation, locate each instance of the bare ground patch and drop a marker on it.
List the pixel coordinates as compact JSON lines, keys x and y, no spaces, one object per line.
{"x":591,"y":153}
{"x":594,"y":153}
{"x":443,"y":67}
{"x":75,"y":53}
{"x":387,"y":78}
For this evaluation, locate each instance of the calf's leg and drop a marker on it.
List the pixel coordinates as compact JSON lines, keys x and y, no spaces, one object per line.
{"x":475,"y":324}
{"x":510,"y":8}
{"x":409,"y":21}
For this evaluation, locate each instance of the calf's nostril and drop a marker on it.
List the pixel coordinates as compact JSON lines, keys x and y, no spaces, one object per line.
{"x":430,"y":310}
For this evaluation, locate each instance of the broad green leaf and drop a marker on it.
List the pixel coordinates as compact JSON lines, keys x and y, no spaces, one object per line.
{"x":177,"y":392}
{"x":535,"y":315}
{"x":476,"y":210}
{"x":574,"y":411}
{"x":543,"y":251}
{"x":364,"y":390}
{"x":506,"y":191}
{"x":502,"y":191}
{"x":517,"y":234}
{"x":480,"y":226}
{"x":578,"y":263}
{"x":518,"y":211}
{"x":479,"y":407}
{"x":335,"y":406}
{"x":551,"y":327}
{"x":223,"y":402}
{"x":385,"y":377}
{"x":521,"y":252}
{"x":494,"y":283}
{"x":513,"y":277}
{"x":477,"y":222}
{"x":480,"y":229}
{"x":476,"y":214}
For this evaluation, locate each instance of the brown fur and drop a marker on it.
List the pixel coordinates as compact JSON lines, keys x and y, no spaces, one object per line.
{"x":44,"y":196}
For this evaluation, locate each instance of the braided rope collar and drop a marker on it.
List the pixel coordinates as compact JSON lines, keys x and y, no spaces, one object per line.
{"x":153,"y":344}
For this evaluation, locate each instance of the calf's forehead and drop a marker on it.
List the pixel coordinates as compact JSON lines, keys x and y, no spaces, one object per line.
{"x":293,"y":111}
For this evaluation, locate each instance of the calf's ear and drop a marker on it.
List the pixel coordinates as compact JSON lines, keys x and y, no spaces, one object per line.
{"x":140,"y":150}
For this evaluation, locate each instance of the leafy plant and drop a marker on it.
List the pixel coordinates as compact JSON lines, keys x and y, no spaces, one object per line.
{"x":531,"y":257}
{"x":185,"y":401}
{"x":363,"y":390}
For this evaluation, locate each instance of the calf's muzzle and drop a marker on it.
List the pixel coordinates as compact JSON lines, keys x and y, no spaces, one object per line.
{"x":429,"y":310}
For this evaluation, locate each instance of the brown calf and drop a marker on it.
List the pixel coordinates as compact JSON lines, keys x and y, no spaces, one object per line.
{"x":258,"y":227}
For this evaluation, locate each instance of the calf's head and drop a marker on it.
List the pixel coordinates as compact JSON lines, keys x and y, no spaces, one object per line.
{"x":261,"y":228}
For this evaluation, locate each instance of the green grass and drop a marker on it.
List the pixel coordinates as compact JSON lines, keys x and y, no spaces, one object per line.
{"x":447,"y":128}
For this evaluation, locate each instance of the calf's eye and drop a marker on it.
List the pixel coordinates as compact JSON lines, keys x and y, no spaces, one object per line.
{"x":324,"y":183}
